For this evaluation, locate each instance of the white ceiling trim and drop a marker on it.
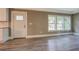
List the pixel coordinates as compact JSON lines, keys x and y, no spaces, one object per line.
{"x":58,"y":10}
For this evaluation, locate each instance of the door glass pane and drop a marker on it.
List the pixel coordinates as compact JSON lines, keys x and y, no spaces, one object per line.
{"x":19,"y":17}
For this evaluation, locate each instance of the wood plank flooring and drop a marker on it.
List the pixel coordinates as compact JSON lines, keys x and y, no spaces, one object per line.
{"x":58,"y":43}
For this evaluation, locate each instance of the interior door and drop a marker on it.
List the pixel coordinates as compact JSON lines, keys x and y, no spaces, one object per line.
{"x":18,"y":24}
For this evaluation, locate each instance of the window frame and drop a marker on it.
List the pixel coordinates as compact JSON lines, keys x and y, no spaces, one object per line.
{"x":57,"y":23}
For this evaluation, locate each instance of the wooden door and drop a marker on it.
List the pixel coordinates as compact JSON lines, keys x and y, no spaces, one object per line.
{"x":18,"y":24}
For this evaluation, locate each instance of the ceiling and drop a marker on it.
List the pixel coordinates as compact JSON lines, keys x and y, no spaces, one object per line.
{"x":58,"y":10}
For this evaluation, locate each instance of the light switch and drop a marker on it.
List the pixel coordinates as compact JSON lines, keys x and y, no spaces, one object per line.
{"x":30,"y":23}
{"x":41,"y":32}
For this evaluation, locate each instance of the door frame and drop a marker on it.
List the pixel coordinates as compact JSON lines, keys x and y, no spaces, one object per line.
{"x":11,"y":24}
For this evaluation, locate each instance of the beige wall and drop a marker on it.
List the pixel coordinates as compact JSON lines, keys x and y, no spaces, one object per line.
{"x":3,"y":14}
{"x":39,"y":22}
{"x":76,"y":23}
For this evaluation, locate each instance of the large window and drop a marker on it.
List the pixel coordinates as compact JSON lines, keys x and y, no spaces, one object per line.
{"x":51,"y":23}
{"x":59,"y":23}
{"x":67,"y":23}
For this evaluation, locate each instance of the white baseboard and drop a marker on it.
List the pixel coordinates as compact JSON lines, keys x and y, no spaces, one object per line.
{"x":46,"y":35}
{"x":76,"y":33}
{"x":10,"y":37}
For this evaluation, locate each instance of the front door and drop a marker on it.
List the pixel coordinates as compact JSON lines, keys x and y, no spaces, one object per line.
{"x":18,"y":24}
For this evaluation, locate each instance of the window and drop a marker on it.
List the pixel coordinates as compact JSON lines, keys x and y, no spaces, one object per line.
{"x":59,"y":23}
{"x":67,"y":23}
{"x":51,"y":23}
{"x":19,"y":17}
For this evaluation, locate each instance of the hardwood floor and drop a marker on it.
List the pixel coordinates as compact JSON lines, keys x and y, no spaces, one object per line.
{"x":58,"y":43}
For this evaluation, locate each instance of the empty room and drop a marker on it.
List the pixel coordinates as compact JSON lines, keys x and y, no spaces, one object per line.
{"x":39,"y":29}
